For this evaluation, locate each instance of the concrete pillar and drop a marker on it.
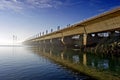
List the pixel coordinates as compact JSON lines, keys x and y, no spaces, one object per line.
{"x":48,"y":43}
{"x":56,"y":42}
{"x":91,"y":40}
{"x":80,"y":40}
{"x":62,"y":40}
{"x":84,"y":39}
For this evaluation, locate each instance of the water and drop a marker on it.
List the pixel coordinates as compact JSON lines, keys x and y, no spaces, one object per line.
{"x":23,"y":63}
{"x":106,"y":67}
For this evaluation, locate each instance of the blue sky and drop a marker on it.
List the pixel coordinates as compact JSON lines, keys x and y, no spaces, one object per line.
{"x":25,"y":18}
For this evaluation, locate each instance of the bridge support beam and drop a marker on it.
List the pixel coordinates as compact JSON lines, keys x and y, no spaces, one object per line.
{"x":56,"y":42}
{"x":84,"y":39}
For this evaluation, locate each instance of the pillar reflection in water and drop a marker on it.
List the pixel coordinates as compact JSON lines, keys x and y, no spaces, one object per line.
{"x":43,"y":50}
{"x":75,"y":59}
{"x":87,"y":59}
{"x":84,"y":59}
{"x":62,"y":55}
{"x":50,"y":52}
{"x":103,"y":64}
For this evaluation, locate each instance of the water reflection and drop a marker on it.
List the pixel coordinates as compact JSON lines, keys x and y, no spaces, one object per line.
{"x":23,"y":63}
{"x":98,"y":61}
{"x":84,"y":59}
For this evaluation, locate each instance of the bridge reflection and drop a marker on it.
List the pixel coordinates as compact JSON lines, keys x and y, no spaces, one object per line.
{"x":100,"y":62}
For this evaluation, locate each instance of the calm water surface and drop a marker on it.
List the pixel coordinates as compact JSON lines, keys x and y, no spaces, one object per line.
{"x":21,"y":63}
{"x":100,"y":65}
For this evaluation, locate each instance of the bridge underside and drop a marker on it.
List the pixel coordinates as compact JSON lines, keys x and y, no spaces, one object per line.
{"x":79,"y":40}
{"x":88,"y":33}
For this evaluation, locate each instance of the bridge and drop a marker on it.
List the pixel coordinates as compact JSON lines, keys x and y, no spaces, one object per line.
{"x":86,"y":33}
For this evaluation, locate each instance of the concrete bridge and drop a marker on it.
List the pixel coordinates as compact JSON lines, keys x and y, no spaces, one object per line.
{"x":86,"y":33}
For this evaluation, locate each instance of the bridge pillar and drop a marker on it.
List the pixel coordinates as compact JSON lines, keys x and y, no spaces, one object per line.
{"x":84,"y":39}
{"x":62,"y":40}
{"x":56,"y":42}
{"x":89,"y":40}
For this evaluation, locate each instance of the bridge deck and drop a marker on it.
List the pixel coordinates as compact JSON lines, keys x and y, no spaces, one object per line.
{"x":105,"y":22}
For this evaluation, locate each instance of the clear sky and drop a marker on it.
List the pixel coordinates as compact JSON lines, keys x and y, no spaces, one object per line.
{"x":25,"y":18}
